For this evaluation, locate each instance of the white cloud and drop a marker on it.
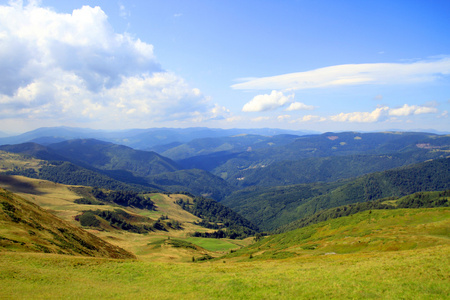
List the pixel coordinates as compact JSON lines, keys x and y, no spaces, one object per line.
{"x":361,"y":117}
{"x":267,"y":102}
{"x":283,"y":117}
{"x":407,"y":110}
{"x":299,"y":106}
{"x":75,"y":67}
{"x":383,"y":112}
{"x":312,"y":118}
{"x":309,"y":118}
{"x":352,"y":74}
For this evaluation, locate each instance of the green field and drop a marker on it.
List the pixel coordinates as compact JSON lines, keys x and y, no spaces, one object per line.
{"x":216,"y":244}
{"x":420,"y":274}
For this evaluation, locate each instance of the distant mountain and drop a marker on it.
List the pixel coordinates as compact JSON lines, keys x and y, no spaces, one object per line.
{"x":143,"y":139}
{"x":34,"y":150}
{"x":229,"y":144}
{"x":232,"y":166}
{"x":273,"y":207}
{"x":3,"y":134}
{"x":53,"y":133}
{"x":28,"y":228}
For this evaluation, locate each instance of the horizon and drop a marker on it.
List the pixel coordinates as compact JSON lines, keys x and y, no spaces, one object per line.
{"x":295,"y":65}
{"x":4,"y":134}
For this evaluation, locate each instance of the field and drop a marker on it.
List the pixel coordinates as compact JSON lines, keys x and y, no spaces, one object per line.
{"x":419,"y":274}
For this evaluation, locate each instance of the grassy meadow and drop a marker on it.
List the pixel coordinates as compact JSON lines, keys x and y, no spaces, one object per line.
{"x":418,"y":274}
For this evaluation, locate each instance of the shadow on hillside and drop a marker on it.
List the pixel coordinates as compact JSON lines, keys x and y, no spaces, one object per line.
{"x":15,"y":185}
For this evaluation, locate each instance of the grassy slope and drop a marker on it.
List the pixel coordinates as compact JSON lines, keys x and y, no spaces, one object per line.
{"x":59,"y":200}
{"x":25,"y":227}
{"x":369,"y":231}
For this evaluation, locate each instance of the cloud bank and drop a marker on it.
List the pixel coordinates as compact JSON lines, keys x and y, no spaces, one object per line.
{"x":74,"y":66}
{"x":352,"y":74}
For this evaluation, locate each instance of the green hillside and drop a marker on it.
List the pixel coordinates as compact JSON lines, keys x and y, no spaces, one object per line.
{"x":270,"y":208}
{"x":416,"y":200}
{"x":369,"y":231}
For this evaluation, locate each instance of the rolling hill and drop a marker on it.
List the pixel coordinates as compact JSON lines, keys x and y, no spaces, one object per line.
{"x":131,"y":220}
{"x":25,"y":227}
{"x":272,"y":207}
{"x":109,"y":156}
{"x":96,"y":163}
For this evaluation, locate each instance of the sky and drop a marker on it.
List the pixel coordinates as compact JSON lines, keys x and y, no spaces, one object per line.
{"x":291,"y":64}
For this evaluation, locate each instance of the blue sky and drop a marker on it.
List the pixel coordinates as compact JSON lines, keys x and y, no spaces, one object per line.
{"x":304,"y":65}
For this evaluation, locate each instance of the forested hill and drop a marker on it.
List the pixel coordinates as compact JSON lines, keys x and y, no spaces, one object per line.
{"x":236,"y":168}
{"x":108,"y":156}
{"x":273,"y":207}
{"x":98,"y":155}
{"x":96,"y":163}
{"x":327,"y":169}
{"x":217,"y":216}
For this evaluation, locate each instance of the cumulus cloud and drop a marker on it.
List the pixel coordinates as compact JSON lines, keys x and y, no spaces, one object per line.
{"x":383,"y":112}
{"x":267,"y":102}
{"x":299,"y":106}
{"x":407,"y":110}
{"x":283,"y":117}
{"x":312,"y":118}
{"x":76,"y":66}
{"x":361,"y":117}
{"x":352,"y":74}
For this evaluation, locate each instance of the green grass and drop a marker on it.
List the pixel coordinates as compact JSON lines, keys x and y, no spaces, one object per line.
{"x":419,"y":274}
{"x":218,"y":245}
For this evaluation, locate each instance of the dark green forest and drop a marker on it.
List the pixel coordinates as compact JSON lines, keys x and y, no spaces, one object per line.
{"x":216,"y":216}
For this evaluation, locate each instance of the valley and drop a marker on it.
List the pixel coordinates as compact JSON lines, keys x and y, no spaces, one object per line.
{"x":334,"y":215}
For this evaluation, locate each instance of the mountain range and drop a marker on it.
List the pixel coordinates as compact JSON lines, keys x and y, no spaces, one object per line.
{"x":270,"y":179}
